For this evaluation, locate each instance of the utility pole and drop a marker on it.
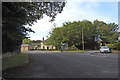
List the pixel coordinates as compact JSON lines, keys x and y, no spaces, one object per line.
{"x":61,"y":46}
{"x":82,"y":38}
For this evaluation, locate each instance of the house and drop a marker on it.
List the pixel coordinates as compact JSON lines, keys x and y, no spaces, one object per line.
{"x":34,"y":46}
{"x":45,"y":46}
{"x":26,"y":47}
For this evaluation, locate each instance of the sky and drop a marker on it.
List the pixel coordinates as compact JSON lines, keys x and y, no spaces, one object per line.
{"x":77,"y":11}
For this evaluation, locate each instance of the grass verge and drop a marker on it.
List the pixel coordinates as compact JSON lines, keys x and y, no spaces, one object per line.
{"x":76,"y":51}
{"x":116,"y":51}
{"x":15,"y":60}
{"x":47,"y":50}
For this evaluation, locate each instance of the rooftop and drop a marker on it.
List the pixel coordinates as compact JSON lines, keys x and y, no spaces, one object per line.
{"x":25,"y":45}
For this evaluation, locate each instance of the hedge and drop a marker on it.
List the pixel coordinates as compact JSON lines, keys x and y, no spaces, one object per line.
{"x":115,"y":46}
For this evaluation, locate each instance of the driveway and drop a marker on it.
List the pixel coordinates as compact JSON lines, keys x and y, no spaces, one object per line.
{"x":66,"y":65}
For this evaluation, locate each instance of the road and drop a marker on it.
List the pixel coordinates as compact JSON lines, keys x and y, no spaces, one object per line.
{"x":66,"y":65}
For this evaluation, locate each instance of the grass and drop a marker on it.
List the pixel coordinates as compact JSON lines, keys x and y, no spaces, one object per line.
{"x":76,"y":51}
{"x":48,"y":50}
{"x":116,"y":51}
{"x":13,"y":61}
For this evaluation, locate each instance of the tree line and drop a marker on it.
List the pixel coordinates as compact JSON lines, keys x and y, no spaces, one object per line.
{"x":93,"y":33}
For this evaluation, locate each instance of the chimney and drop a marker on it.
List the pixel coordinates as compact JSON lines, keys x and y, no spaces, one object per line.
{"x":43,"y":38}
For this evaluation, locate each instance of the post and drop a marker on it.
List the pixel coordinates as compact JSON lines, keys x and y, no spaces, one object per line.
{"x":82,"y":38}
{"x":61,"y":46}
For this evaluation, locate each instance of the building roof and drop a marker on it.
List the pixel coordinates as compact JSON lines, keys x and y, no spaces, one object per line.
{"x":25,"y":45}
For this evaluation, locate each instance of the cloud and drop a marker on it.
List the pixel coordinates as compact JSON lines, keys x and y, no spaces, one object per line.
{"x":94,"y":0}
{"x":73,"y":11}
{"x":41,"y":28}
{"x":76,"y":11}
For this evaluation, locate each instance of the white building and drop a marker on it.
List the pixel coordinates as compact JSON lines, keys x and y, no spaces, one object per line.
{"x":44,"y":46}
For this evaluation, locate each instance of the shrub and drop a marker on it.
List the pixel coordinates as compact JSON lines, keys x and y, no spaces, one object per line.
{"x":111,"y":46}
{"x":73,"y":48}
{"x":47,"y":50}
{"x":117,"y":46}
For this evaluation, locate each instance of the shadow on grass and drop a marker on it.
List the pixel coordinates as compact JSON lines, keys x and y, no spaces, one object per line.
{"x":13,"y":61}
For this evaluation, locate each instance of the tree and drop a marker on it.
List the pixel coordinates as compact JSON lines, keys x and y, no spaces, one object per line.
{"x":71,"y":33}
{"x":26,"y":41}
{"x":55,"y":37}
{"x":15,"y":15}
{"x":106,"y":32}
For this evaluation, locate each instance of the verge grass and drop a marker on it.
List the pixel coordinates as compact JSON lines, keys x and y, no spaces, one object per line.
{"x":76,"y":51}
{"x":15,"y":60}
{"x":116,"y":51}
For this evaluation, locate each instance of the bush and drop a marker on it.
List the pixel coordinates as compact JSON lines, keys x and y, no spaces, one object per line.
{"x":47,"y":50}
{"x":117,"y":46}
{"x":111,"y":46}
{"x":73,"y":48}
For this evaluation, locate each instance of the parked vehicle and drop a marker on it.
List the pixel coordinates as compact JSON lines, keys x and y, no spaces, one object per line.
{"x":104,"y":49}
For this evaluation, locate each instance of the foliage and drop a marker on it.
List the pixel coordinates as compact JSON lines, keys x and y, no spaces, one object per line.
{"x":56,"y":38}
{"x":15,"y":15}
{"x":38,"y":46}
{"x":117,"y":46}
{"x":73,"y":48}
{"x":94,"y":33}
{"x":111,"y":46}
{"x":36,"y":41}
{"x":106,"y":32}
{"x":47,"y":50}
{"x":26,"y":41}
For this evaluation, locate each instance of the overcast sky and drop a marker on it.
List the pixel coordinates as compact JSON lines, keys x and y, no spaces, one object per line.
{"x":77,"y":11}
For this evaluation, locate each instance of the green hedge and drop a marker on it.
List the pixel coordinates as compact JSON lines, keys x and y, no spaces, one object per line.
{"x":111,"y":46}
{"x":73,"y":48}
{"x":115,"y":46}
{"x":47,"y":50}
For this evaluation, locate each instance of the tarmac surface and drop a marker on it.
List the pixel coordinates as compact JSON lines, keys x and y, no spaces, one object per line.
{"x":46,"y":64}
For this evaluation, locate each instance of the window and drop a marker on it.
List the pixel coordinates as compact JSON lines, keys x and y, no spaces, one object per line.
{"x":47,"y":47}
{"x":43,"y":47}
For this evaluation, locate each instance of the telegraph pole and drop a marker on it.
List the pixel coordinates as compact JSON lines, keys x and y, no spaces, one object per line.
{"x":82,"y":38}
{"x":61,"y":46}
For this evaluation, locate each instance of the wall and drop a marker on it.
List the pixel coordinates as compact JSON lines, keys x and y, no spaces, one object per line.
{"x":45,"y":46}
{"x":24,"y":48}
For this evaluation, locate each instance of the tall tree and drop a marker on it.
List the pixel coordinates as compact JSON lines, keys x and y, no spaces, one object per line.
{"x":26,"y":41}
{"x":55,"y":37}
{"x":15,"y":15}
{"x":71,"y":33}
{"x":106,"y":32}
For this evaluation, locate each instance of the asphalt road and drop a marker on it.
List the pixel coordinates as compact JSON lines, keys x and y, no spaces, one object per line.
{"x":66,"y":65}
